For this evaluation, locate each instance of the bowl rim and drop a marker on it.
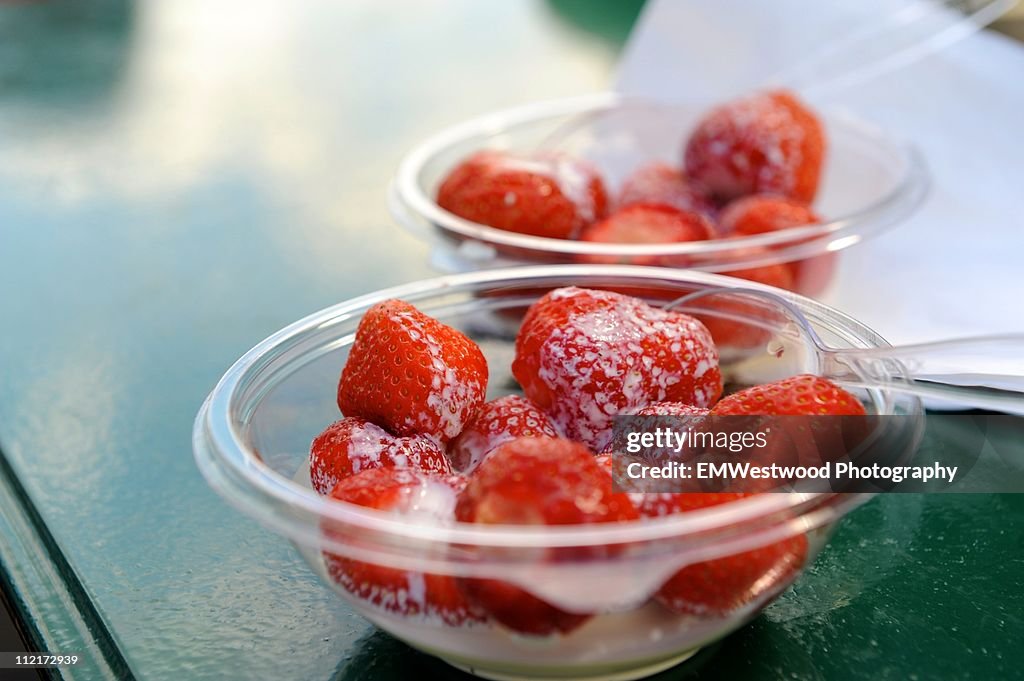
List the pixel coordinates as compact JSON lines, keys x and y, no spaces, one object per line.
{"x":411,"y":205}
{"x":219,"y":446}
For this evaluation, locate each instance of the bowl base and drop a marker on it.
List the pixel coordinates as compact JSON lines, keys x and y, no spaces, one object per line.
{"x":640,"y":672}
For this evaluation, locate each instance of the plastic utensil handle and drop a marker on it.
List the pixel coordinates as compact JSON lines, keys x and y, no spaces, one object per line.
{"x":915,"y":30}
{"x":986,"y":372}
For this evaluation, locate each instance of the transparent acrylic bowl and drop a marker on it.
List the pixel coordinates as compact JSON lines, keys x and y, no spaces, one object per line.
{"x":252,"y":438}
{"x":870,"y":183}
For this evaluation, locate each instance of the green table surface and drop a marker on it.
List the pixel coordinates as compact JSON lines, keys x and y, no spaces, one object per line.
{"x":180,"y":178}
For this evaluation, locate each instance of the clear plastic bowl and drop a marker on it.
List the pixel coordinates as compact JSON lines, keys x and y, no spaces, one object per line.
{"x":252,"y":439}
{"x":870,"y":183}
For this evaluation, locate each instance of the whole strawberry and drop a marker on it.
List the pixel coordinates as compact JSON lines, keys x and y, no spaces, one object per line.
{"x":766,"y":143}
{"x":550,"y":196}
{"x":719,"y":586}
{"x":537,"y":481}
{"x":617,"y":458}
{"x":413,"y":496}
{"x":660,"y":183}
{"x":791,"y":409}
{"x":584,"y":356}
{"x":674,"y":415}
{"x":735,"y":323}
{"x":762,"y":213}
{"x":674,"y":409}
{"x":411,"y":374}
{"x":803,"y":395}
{"x":643,"y":223}
{"x":616,"y":467}
{"x":497,"y":422}
{"x":779,"y":275}
{"x":351,"y":445}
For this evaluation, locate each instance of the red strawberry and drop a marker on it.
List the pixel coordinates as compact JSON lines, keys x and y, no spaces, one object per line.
{"x":803,"y":395}
{"x":812,"y":275}
{"x":616,"y":467}
{"x":779,"y":275}
{"x":644,"y":223}
{"x":680,"y":415}
{"x":540,"y":481}
{"x":765,"y":143}
{"x":767,"y":213}
{"x":536,"y":481}
{"x":807,"y":441}
{"x":671,"y":409}
{"x":551,"y":196}
{"x":411,"y":374}
{"x":662,"y":184}
{"x":718,"y":586}
{"x":584,"y":356}
{"x":606,"y":462}
{"x":762,"y":213}
{"x":657,"y":504}
{"x":418,"y":497}
{"x":352,"y":445}
{"x":616,"y":457}
{"x":497,"y":422}
{"x":733,"y":334}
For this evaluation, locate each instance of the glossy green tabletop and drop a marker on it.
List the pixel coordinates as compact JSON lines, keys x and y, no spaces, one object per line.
{"x":179,"y":179}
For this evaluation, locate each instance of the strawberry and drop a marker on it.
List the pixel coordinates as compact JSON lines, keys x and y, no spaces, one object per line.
{"x":411,"y":374}
{"x":551,"y":195}
{"x":671,"y":409}
{"x":644,"y":223}
{"x":584,"y":356}
{"x":616,"y":457}
{"x":518,"y":610}
{"x":765,"y":143}
{"x":807,"y":441}
{"x":353,"y":444}
{"x":497,"y":422}
{"x":679,"y":416}
{"x":616,"y":467}
{"x":803,"y":395}
{"x":779,"y":275}
{"x":736,"y":334}
{"x":812,"y":275}
{"x":763,"y":213}
{"x":414,"y":496}
{"x":606,"y":462}
{"x":537,"y":481}
{"x":662,"y":184}
{"x":716,"y":587}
